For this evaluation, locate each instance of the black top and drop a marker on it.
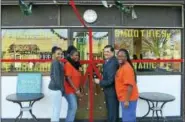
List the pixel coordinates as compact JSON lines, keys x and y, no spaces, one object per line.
{"x":156,"y":97}
{"x":24,"y":97}
{"x":110,"y":68}
{"x":57,"y":76}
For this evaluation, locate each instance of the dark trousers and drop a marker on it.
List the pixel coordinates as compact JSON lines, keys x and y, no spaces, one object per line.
{"x":112,"y":106}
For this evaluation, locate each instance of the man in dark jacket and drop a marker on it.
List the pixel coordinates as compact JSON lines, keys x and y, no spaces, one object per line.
{"x":108,"y":83}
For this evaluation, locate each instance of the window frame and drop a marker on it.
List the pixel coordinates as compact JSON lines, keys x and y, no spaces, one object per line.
{"x":182,"y":51}
{"x":71,"y":29}
{"x":15,"y":73}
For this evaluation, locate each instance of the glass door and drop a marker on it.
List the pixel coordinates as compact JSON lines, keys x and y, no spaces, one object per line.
{"x":80,"y":40}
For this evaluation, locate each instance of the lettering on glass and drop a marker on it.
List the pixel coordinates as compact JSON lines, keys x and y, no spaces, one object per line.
{"x":144,"y":33}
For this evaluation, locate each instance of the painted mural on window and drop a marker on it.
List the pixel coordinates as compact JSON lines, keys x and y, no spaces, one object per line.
{"x":151,"y":44}
{"x":30,"y":44}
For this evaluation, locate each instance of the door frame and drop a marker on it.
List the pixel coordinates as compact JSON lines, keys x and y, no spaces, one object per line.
{"x":110,"y":41}
{"x":110,"y":33}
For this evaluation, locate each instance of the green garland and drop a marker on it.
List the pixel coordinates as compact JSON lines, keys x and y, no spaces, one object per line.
{"x":57,"y":34}
{"x":120,"y":6}
{"x":26,"y":9}
{"x":95,"y":38}
{"x":100,"y":38}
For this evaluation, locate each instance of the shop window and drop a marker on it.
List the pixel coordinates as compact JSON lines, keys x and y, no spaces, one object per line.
{"x":30,"y":44}
{"x":151,"y":44}
{"x":81,"y":42}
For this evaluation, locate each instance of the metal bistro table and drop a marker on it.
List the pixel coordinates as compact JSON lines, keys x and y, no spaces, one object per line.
{"x":152,"y":99}
{"x":25,"y":97}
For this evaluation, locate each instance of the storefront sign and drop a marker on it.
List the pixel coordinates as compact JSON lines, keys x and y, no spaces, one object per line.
{"x":144,"y":33}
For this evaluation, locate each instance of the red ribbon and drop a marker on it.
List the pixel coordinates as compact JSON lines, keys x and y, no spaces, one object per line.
{"x":90,"y":63}
{"x":94,"y":61}
{"x":72,"y":3}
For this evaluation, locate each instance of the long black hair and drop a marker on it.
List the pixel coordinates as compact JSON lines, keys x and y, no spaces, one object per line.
{"x":128,"y":60}
{"x":70,"y":48}
{"x":76,"y":65}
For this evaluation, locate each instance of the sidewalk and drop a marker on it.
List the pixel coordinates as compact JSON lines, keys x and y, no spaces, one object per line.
{"x":47,"y":120}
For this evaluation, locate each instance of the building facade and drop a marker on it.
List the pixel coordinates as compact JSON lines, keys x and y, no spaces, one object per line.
{"x":155,"y":31}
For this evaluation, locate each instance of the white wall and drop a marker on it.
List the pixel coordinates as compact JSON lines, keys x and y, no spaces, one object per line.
{"x":165,"y":84}
{"x":170,"y":84}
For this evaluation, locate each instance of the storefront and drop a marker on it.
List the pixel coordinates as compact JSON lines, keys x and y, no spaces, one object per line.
{"x":156,"y":33}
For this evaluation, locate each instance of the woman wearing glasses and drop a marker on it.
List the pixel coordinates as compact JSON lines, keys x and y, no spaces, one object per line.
{"x":56,"y":84}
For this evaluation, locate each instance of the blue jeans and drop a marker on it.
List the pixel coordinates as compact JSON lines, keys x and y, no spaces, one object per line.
{"x":72,"y":107}
{"x":56,"y":97}
{"x":129,"y":114}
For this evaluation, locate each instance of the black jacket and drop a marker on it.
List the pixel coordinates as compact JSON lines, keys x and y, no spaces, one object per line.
{"x":109,"y":71}
{"x":57,"y":76}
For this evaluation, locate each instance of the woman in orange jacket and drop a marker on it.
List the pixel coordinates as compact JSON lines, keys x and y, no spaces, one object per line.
{"x":126,"y":87}
{"x":72,"y":84}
